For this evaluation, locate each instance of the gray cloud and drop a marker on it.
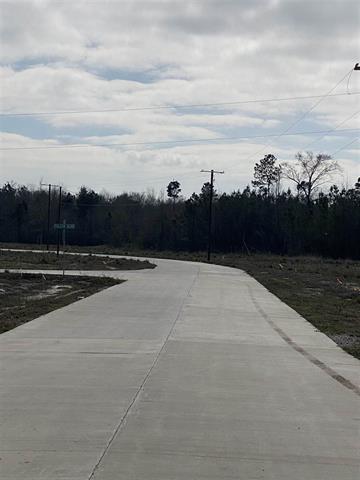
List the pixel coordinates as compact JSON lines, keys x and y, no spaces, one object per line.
{"x":108,"y":54}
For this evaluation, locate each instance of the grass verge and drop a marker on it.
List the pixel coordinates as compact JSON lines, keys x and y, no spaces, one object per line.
{"x":48,"y":260}
{"x":24,"y":297}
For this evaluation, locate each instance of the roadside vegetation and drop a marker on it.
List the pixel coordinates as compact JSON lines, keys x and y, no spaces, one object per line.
{"x":50,"y":261}
{"x":265,"y":218}
{"x":24,"y":297}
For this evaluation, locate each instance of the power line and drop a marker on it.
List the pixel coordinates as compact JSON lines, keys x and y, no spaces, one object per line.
{"x":348,"y":81}
{"x":316,"y":103}
{"x":128,"y":186}
{"x":357,"y":67}
{"x":333,"y":129}
{"x":167,"y":142}
{"x":345,"y":146}
{"x":170,"y":107}
{"x":155,"y":180}
{"x":299,"y":119}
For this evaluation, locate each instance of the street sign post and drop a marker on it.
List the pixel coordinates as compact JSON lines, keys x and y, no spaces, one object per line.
{"x":64,"y":226}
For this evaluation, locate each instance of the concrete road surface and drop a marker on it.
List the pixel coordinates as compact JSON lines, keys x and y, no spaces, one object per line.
{"x":185,"y":372}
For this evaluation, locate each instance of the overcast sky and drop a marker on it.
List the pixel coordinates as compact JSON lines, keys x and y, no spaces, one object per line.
{"x":128,"y":56}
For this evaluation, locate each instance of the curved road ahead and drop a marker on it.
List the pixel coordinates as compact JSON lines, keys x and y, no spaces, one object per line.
{"x":189,"y":371}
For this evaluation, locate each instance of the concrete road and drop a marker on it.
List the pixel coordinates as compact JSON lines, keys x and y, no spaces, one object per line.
{"x":185,"y":372}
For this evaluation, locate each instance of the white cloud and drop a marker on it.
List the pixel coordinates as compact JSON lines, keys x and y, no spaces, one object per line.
{"x":128,"y":54}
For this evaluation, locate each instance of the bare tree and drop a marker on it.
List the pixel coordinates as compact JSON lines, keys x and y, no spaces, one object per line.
{"x":310,"y":172}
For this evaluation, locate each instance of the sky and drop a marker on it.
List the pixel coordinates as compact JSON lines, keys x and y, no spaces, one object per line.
{"x":119,"y":95}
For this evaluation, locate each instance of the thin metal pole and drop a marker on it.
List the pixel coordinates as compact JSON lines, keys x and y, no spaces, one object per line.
{"x":64,"y":235}
{"x":59,"y":213}
{"x":48,"y":220}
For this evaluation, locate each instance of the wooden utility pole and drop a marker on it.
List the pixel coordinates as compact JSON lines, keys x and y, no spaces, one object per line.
{"x":59,"y":213}
{"x":48,"y":219}
{"x":210,"y":209}
{"x":48,"y":211}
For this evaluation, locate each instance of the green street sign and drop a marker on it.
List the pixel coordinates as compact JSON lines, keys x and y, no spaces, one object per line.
{"x":64,"y":226}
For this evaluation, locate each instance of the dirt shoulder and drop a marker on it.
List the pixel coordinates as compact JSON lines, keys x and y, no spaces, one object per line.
{"x":50,"y":261}
{"x":24,"y":297}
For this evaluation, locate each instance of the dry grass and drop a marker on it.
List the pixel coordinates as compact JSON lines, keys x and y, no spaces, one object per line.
{"x":24,"y":297}
{"x":48,"y":260}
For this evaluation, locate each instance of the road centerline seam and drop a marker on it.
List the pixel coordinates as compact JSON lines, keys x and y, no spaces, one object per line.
{"x":141,"y":388}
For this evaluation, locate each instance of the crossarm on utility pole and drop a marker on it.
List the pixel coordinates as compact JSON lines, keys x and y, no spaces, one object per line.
{"x":210,"y":208}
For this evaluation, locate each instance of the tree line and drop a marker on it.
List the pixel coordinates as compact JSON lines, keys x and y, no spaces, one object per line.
{"x":262,"y":217}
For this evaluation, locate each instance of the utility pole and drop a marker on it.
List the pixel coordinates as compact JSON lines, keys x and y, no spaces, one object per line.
{"x":210,"y":208}
{"x":58,"y":221}
{"x":48,"y":211}
{"x":48,"y":219}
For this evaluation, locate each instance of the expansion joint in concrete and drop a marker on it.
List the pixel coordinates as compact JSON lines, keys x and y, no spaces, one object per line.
{"x":141,"y":388}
